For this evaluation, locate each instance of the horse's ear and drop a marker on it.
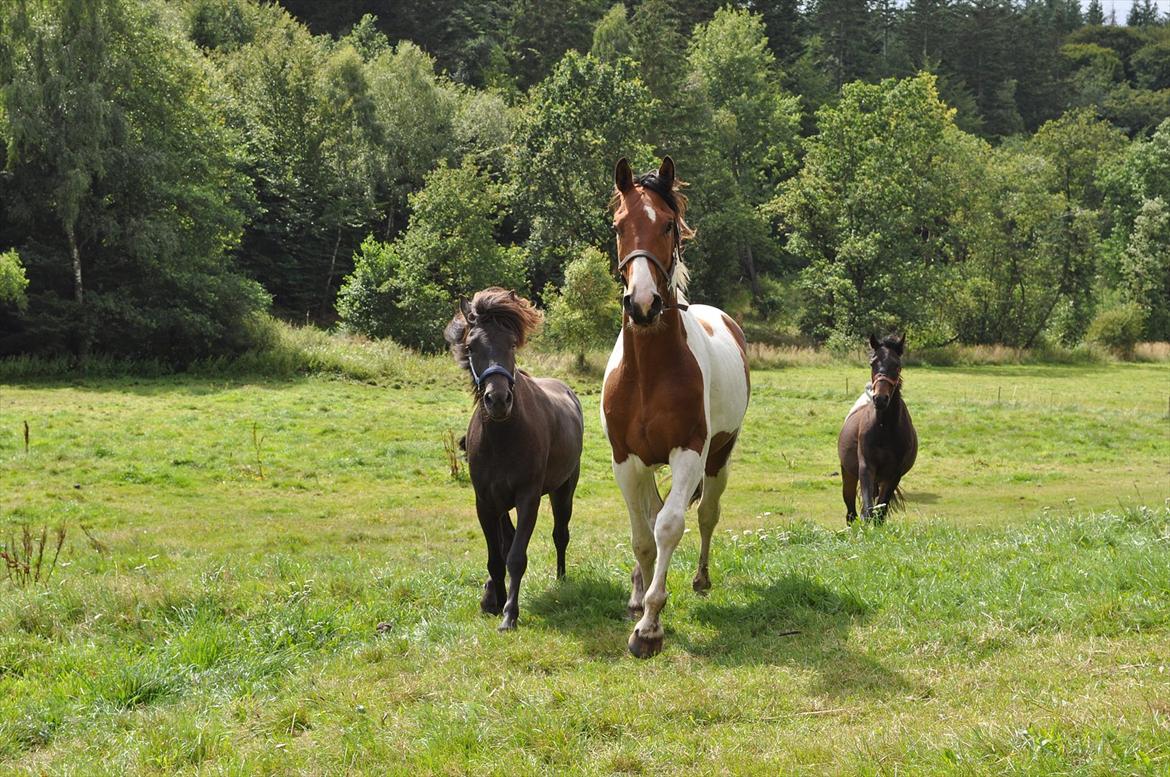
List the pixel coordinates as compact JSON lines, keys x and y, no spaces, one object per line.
{"x":873,"y":342}
{"x":902,"y":344}
{"x":466,"y":310}
{"x":666,"y":172}
{"x":623,"y":176}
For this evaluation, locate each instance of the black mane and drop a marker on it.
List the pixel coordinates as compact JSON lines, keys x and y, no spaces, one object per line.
{"x":655,"y":184}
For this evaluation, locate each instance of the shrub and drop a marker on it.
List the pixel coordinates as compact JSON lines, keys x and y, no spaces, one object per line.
{"x":585,"y":312}
{"x":1118,"y":328}
{"x":12,"y":280}
{"x":406,"y":290}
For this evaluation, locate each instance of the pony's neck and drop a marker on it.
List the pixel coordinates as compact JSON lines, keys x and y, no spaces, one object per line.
{"x":888,"y":418}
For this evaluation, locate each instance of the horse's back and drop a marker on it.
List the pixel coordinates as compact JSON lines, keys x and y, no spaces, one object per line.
{"x":566,"y":429}
{"x":563,"y":400}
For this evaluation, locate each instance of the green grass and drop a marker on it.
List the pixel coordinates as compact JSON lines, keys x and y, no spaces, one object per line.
{"x":1016,"y":619}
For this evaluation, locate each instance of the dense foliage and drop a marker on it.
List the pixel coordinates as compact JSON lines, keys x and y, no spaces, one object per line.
{"x":983,"y":172}
{"x":585,"y":313}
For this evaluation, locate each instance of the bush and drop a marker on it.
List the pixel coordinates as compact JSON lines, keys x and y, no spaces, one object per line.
{"x":12,"y":280}
{"x":585,"y":312}
{"x":1119,"y":328}
{"x":407,"y":289}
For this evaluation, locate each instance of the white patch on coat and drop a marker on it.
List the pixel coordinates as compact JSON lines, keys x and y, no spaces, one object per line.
{"x":650,"y":212}
{"x":861,"y":402}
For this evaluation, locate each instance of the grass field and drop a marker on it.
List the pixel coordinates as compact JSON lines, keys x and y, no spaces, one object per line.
{"x":248,"y":536}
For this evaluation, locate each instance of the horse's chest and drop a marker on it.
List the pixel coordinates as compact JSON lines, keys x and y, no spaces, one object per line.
{"x":651,"y":421}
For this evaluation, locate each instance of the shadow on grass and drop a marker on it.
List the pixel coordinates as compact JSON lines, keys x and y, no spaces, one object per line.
{"x":588,"y":604}
{"x":794,"y":621}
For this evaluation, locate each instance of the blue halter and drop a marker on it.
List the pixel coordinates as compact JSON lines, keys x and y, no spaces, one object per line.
{"x":495,"y":369}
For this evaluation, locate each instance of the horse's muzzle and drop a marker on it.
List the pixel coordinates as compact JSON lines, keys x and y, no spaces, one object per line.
{"x":498,"y":403}
{"x":640,"y":315}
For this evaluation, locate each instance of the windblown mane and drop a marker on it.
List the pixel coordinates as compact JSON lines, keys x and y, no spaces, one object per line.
{"x":677,"y":202}
{"x":894,"y":346}
{"x":493,"y":307}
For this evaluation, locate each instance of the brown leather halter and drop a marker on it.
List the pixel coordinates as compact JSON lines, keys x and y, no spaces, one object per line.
{"x":882,"y":378}
{"x":668,"y":274}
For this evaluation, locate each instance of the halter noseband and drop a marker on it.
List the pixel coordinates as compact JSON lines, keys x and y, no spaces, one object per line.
{"x":495,"y":369}
{"x":676,"y":257}
{"x":882,"y":378}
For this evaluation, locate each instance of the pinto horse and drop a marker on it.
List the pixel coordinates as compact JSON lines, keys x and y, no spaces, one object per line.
{"x":675,"y":391}
{"x":523,"y":441}
{"x":878,"y":443}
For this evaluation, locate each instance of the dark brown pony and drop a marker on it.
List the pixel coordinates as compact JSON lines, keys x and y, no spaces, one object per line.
{"x":878,"y":444}
{"x":524,"y":440}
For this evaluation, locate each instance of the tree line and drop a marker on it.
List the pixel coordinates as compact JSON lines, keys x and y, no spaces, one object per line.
{"x":979,"y":172}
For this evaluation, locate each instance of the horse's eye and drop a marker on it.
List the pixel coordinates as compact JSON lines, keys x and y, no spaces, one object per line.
{"x":669,"y":228}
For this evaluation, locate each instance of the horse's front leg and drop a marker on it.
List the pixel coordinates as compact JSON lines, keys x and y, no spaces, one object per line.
{"x":686,"y":471}
{"x":868,"y":489}
{"x":517,"y":561}
{"x":886,"y":492}
{"x":492,"y":602}
{"x":636,"y":482}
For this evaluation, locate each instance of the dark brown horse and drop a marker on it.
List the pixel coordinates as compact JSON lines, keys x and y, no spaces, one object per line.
{"x":524,"y":440}
{"x":878,"y":444}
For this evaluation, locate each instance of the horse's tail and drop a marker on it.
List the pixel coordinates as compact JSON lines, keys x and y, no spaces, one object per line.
{"x":897,"y":500}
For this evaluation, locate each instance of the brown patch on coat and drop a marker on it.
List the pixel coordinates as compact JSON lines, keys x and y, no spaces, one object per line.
{"x":653,"y":400}
{"x":710,"y":329}
{"x":720,"y":451}
{"x":741,"y":341}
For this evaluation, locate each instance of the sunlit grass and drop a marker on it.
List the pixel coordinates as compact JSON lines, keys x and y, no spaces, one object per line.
{"x":1014,"y":620}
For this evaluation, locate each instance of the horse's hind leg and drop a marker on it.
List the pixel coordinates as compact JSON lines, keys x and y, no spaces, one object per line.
{"x":517,"y":560}
{"x":562,"y":510}
{"x":849,"y":494}
{"x":713,"y":488}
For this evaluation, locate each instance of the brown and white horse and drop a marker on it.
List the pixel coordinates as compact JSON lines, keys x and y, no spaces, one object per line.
{"x":675,"y":391}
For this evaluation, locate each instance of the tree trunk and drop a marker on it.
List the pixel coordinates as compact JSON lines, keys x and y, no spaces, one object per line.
{"x":749,"y":264}
{"x":79,"y":296}
{"x":332,"y":269}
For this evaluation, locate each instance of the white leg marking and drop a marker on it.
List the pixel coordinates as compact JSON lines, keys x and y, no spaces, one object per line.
{"x":636,"y":481}
{"x":686,"y":470}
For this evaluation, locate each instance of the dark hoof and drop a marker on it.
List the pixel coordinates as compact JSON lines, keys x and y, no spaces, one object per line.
{"x":643,"y":647}
{"x":385,"y":627}
{"x":508,"y":624}
{"x":701,"y":583}
{"x":488,"y":604}
{"x":850,"y":519}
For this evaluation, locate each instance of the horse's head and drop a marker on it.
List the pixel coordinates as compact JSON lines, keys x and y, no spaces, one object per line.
{"x":484,"y":336}
{"x":885,"y":365}
{"x":648,"y":221}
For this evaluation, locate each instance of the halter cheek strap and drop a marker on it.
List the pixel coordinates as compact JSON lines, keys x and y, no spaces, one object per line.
{"x":654,"y":260}
{"x":495,"y":369}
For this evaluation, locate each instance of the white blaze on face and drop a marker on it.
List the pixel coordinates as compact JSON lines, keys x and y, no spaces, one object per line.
{"x":642,"y":287}
{"x":650,"y":213}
